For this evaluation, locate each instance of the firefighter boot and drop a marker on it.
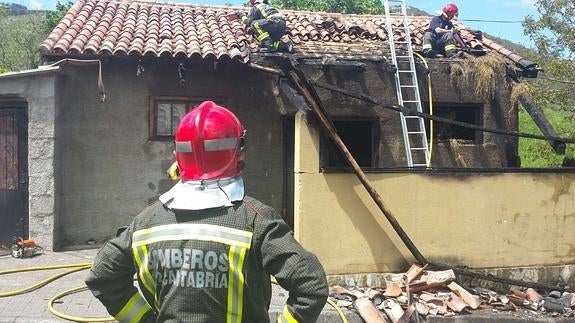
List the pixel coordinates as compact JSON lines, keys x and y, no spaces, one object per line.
{"x":431,"y":54}
{"x":285,"y":46}
{"x":454,"y":54}
{"x":267,"y":46}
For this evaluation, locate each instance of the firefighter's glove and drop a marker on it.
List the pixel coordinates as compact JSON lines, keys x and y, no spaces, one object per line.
{"x":242,"y":16}
{"x":173,"y":172}
{"x":454,"y":30}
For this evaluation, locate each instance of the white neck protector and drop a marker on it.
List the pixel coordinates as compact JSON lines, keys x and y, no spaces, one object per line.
{"x":206,"y":194}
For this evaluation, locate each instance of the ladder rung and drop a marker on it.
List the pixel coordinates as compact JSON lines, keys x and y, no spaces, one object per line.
{"x":405,"y":71}
{"x":417,"y":148}
{"x":412,"y":117}
{"x":408,"y":86}
{"x":416,"y":132}
{"x":410,"y":101}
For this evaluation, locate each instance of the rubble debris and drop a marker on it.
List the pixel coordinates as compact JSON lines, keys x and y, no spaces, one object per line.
{"x":456,"y":303}
{"x":393,"y":310}
{"x":421,"y":292}
{"x":533,"y":295}
{"x":472,"y":300}
{"x":368,"y":312}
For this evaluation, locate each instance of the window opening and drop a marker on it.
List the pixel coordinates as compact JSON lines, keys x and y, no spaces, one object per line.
{"x":463,"y":113}
{"x":166,"y":113}
{"x":359,"y":137}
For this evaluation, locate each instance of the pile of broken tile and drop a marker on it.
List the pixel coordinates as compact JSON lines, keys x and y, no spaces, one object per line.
{"x":436,"y":293}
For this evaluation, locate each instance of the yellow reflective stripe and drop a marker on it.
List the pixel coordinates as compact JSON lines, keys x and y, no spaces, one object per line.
{"x":192,"y":231}
{"x":450,"y":47}
{"x":141,"y":258}
{"x":134,"y":310}
{"x":427,"y":46}
{"x":286,"y":316}
{"x":241,"y":283}
{"x":236,"y":259}
{"x":261,"y":34}
{"x":263,"y":12}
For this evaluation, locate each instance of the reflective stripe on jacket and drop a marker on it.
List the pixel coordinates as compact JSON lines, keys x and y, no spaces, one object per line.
{"x":210,"y":265}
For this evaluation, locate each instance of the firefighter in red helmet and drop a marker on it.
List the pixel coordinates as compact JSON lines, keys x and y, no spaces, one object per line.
{"x":205,"y":251}
{"x":267,"y":25}
{"x":438,"y":39}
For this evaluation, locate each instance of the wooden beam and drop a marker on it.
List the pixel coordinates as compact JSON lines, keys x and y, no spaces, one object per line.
{"x":541,"y":121}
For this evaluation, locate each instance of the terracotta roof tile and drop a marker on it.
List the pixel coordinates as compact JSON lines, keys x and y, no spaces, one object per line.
{"x":111,"y":27}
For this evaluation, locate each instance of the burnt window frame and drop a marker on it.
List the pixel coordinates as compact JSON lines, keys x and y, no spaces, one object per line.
{"x":188,"y":102}
{"x":326,"y":144}
{"x":479,"y":110}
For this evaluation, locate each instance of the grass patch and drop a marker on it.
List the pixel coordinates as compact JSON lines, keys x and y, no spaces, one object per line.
{"x":536,"y":153}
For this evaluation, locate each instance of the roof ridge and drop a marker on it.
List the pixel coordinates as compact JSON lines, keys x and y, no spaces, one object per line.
{"x":208,"y":6}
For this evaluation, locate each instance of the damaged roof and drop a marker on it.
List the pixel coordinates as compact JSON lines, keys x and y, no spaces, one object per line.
{"x":98,"y":28}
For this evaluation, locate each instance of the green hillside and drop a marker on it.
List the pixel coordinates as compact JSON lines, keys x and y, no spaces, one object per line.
{"x":19,"y":41}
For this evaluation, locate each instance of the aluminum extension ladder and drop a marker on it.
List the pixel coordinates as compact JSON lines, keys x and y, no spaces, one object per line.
{"x":413,"y":127}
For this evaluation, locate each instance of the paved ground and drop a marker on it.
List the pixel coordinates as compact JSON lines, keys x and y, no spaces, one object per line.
{"x":33,"y":306}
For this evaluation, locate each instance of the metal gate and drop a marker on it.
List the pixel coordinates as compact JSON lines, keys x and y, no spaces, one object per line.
{"x":13,"y":174}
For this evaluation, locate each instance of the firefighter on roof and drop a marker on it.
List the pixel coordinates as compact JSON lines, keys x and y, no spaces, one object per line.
{"x":438,"y":39}
{"x":205,"y":252}
{"x":267,"y":25}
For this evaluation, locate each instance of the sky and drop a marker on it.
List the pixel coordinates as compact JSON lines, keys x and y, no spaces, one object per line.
{"x":512,"y":11}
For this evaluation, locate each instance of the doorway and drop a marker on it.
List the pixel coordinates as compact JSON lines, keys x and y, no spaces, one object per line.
{"x":13,"y":172}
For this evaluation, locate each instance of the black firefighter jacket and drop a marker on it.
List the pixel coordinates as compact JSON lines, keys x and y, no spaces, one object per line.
{"x":211,"y":265}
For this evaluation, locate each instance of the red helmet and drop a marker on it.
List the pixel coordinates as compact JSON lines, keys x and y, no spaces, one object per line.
{"x":451,"y":10}
{"x":209,"y":143}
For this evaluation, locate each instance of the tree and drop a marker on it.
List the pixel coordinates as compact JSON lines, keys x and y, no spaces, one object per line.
{"x":54,"y":17}
{"x":21,"y":33}
{"x":553,"y":33}
{"x":554,"y":36}
{"x":19,"y":41}
{"x":342,"y":6}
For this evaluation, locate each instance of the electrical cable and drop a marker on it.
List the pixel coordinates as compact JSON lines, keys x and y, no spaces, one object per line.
{"x":495,"y":21}
{"x":407,"y":111}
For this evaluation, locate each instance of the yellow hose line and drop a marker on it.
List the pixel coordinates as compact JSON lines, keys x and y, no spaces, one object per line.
{"x":338,"y":310}
{"x":430,"y":109}
{"x":21,"y":270}
{"x":76,"y":268}
{"x":329,"y":301}
{"x":44,"y":282}
{"x":74,"y":318}
{"x":80,"y":267}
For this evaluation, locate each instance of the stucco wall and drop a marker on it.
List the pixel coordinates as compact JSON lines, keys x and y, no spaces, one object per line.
{"x":38,"y":93}
{"x":478,"y":220}
{"x":110,"y":169}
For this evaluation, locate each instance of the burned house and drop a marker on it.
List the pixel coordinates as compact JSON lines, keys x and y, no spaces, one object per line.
{"x":95,"y":134}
